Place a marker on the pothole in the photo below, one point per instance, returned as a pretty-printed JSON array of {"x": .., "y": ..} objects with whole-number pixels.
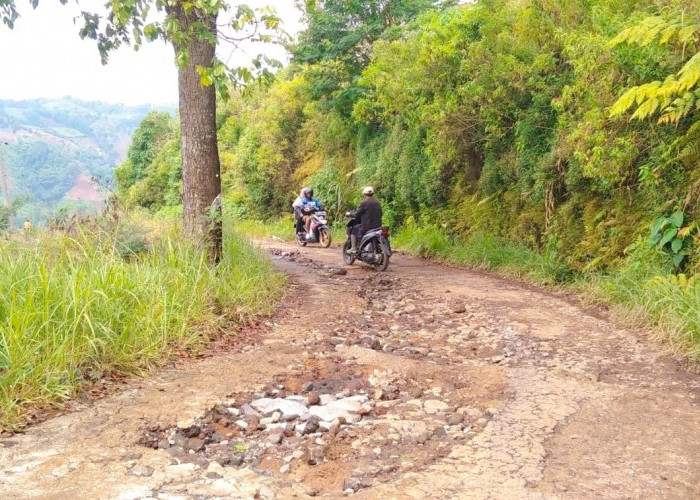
[{"x": 343, "y": 427}]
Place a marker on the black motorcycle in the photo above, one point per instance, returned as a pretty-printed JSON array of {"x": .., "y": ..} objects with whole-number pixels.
[{"x": 374, "y": 248}]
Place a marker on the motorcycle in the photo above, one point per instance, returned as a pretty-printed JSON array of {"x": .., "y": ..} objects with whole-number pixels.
[
  {"x": 318, "y": 230},
  {"x": 373, "y": 249}
]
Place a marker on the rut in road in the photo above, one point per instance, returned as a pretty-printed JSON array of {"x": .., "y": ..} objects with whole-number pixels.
[{"x": 422, "y": 381}]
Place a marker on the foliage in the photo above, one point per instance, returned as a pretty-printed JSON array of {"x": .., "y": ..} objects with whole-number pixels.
[
  {"x": 338, "y": 40},
  {"x": 161, "y": 185},
  {"x": 677, "y": 95},
  {"x": 669, "y": 235},
  {"x": 73, "y": 309},
  {"x": 5, "y": 215},
  {"x": 153, "y": 132},
  {"x": 650, "y": 296},
  {"x": 47, "y": 170},
  {"x": 492, "y": 117},
  {"x": 282, "y": 229},
  {"x": 483, "y": 251}
]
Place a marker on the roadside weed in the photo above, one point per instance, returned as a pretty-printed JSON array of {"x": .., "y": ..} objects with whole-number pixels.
[{"x": 73, "y": 309}]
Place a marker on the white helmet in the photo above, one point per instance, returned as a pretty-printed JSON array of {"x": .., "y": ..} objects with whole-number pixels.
[{"x": 368, "y": 190}]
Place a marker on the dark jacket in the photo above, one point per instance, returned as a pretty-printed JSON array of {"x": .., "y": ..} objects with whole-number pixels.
[{"x": 369, "y": 213}]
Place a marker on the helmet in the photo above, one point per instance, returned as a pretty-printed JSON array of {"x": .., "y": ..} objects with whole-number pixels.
[
  {"x": 368, "y": 190},
  {"x": 307, "y": 191}
]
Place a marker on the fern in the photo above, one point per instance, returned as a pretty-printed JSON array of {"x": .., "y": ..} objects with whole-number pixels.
[
  {"x": 677, "y": 96},
  {"x": 656, "y": 28},
  {"x": 688, "y": 146}
]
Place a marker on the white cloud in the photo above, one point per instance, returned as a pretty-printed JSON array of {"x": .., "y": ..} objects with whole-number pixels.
[{"x": 43, "y": 56}]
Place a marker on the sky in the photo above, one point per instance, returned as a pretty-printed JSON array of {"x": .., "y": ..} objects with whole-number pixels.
[{"x": 43, "y": 56}]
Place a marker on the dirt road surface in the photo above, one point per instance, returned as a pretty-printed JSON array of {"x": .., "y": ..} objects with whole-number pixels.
[{"x": 425, "y": 381}]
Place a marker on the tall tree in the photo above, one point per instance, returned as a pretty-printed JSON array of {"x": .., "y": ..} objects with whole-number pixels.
[
  {"x": 339, "y": 38},
  {"x": 201, "y": 171},
  {"x": 191, "y": 27}
]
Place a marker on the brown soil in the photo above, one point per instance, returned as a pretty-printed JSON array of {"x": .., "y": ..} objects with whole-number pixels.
[
  {"x": 84, "y": 190},
  {"x": 479, "y": 387}
]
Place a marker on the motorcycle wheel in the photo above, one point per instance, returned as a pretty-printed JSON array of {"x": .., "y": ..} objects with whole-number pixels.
[
  {"x": 384, "y": 262},
  {"x": 325, "y": 238},
  {"x": 301, "y": 240},
  {"x": 348, "y": 258}
]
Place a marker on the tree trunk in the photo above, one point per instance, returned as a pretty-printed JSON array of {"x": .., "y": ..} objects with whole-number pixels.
[{"x": 201, "y": 170}]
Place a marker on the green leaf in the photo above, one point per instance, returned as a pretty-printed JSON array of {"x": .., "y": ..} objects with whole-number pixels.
[
  {"x": 676, "y": 245},
  {"x": 669, "y": 234},
  {"x": 151, "y": 32},
  {"x": 657, "y": 227},
  {"x": 677, "y": 259},
  {"x": 676, "y": 219}
]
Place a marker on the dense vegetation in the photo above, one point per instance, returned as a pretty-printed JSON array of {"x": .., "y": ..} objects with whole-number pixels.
[
  {"x": 567, "y": 130},
  {"x": 494, "y": 116},
  {"x": 51, "y": 141},
  {"x": 114, "y": 297}
]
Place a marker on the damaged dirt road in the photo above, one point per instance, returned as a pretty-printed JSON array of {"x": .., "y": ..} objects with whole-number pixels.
[{"x": 422, "y": 382}]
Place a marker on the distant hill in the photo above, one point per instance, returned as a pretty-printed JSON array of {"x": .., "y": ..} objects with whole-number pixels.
[{"x": 50, "y": 147}]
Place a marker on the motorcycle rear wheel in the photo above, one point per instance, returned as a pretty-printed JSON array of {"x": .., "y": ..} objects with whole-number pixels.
[
  {"x": 348, "y": 258},
  {"x": 301, "y": 240},
  {"x": 384, "y": 262},
  {"x": 325, "y": 238}
]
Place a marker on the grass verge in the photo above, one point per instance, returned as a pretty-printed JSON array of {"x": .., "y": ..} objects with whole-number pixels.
[
  {"x": 483, "y": 251},
  {"x": 73, "y": 309}
]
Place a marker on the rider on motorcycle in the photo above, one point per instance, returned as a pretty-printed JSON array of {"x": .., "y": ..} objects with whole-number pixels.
[
  {"x": 369, "y": 214},
  {"x": 303, "y": 207}
]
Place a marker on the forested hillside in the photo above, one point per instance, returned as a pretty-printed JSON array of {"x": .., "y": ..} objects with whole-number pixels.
[
  {"x": 570, "y": 128},
  {"x": 52, "y": 144}
]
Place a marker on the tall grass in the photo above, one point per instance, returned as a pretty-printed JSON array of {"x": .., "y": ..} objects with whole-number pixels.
[
  {"x": 282, "y": 229},
  {"x": 649, "y": 294},
  {"x": 75, "y": 308},
  {"x": 482, "y": 251}
]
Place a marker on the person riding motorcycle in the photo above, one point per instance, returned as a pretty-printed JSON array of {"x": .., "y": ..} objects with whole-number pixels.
[
  {"x": 369, "y": 215},
  {"x": 303, "y": 207}
]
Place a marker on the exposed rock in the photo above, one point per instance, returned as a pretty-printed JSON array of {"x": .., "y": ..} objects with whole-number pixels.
[
  {"x": 350, "y": 408},
  {"x": 195, "y": 444},
  {"x": 314, "y": 398},
  {"x": 311, "y": 425},
  {"x": 265, "y": 493},
  {"x": 315, "y": 454},
  {"x": 275, "y": 438},
  {"x": 326, "y": 398},
  {"x": 433, "y": 406},
  {"x": 248, "y": 410},
  {"x": 267, "y": 406},
  {"x": 455, "y": 419},
  {"x": 142, "y": 471}
]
